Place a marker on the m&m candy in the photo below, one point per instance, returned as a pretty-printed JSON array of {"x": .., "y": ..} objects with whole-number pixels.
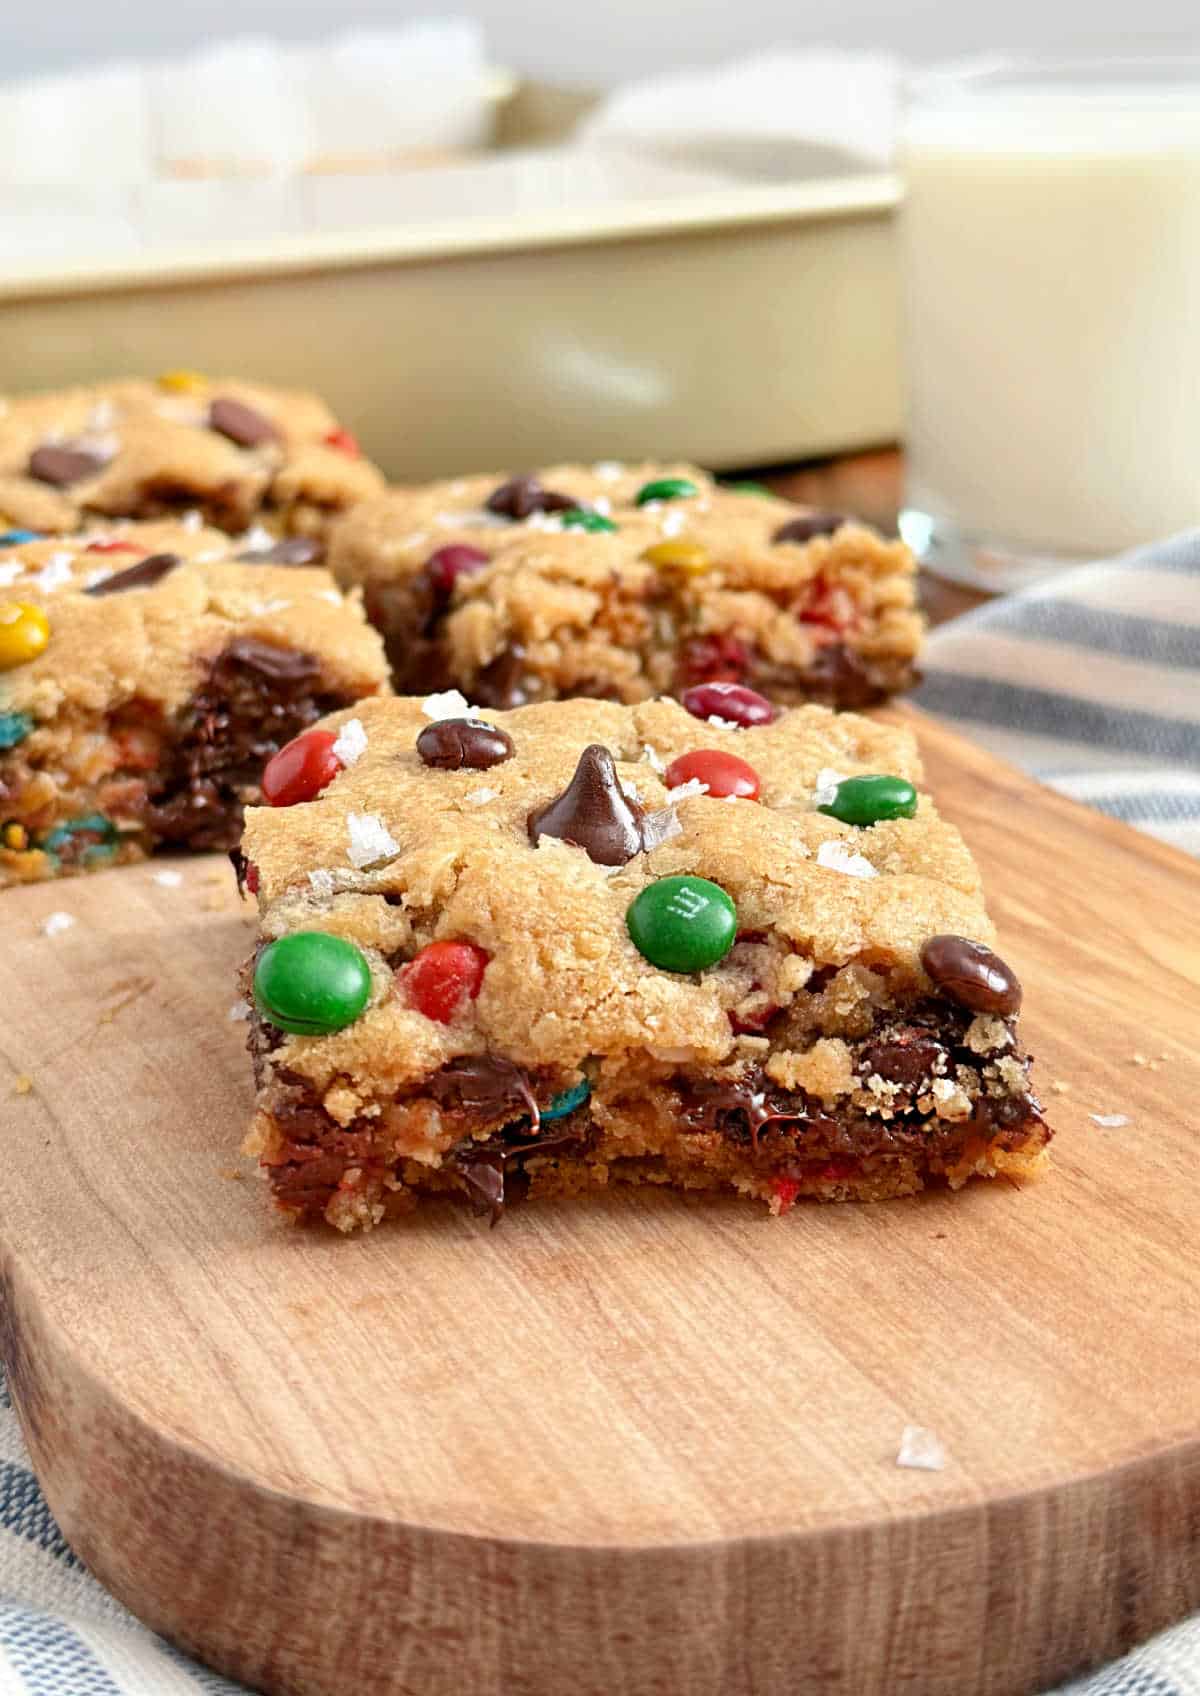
[
  {"x": 682, "y": 924},
  {"x": 867, "y": 800},
  {"x": 301, "y": 769},
  {"x": 310, "y": 983}
]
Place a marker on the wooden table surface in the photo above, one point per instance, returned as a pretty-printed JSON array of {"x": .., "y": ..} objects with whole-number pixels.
[{"x": 870, "y": 485}]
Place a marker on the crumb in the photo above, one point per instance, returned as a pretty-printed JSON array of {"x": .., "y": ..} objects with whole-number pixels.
[
  {"x": 1110, "y": 1121},
  {"x": 1141, "y": 1059},
  {"x": 921, "y": 1449},
  {"x": 23, "y": 1084},
  {"x": 232, "y": 1173},
  {"x": 1059, "y": 1087}
]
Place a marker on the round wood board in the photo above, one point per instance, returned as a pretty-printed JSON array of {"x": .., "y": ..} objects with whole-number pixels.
[{"x": 640, "y": 1445}]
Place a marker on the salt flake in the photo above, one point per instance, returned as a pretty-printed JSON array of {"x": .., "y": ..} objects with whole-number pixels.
[
  {"x": 607, "y": 470},
  {"x": 321, "y": 884},
  {"x": 54, "y": 923},
  {"x": 654, "y": 759},
  {"x": 351, "y": 743},
  {"x": 238, "y": 1012},
  {"x": 480, "y": 797},
  {"x": 258, "y": 540},
  {"x": 825, "y": 792},
  {"x": 921, "y": 1449},
  {"x": 330, "y": 595},
  {"x": 55, "y": 572},
  {"x": 10, "y": 572},
  {"x": 672, "y": 521},
  {"x": 838, "y": 858},
  {"x": 449, "y": 704},
  {"x": 168, "y": 879},
  {"x": 720, "y": 723},
  {"x": 1109, "y": 1121},
  {"x": 681, "y": 791},
  {"x": 193, "y": 519},
  {"x": 370, "y": 840}
]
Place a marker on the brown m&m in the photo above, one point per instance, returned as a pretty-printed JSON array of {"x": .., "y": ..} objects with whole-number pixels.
[
  {"x": 971, "y": 974},
  {"x": 452, "y": 743}
]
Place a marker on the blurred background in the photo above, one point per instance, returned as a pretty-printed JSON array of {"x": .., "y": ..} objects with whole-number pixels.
[{"x": 601, "y": 43}]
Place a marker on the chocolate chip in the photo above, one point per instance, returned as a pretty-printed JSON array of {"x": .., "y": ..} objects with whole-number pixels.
[
  {"x": 503, "y": 684},
  {"x": 452, "y": 743},
  {"x": 808, "y": 525},
  {"x": 293, "y": 550},
  {"x": 520, "y": 497},
  {"x": 62, "y": 465},
  {"x": 283, "y": 663},
  {"x": 482, "y": 1174},
  {"x": 241, "y": 423},
  {"x": 593, "y": 812},
  {"x": 839, "y": 677},
  {"x": 905, "y": 1055},
  {"x": 144, "y": 575},
  {"x": 485, "y": 1085},
  {"x": 972, "y": 975}
]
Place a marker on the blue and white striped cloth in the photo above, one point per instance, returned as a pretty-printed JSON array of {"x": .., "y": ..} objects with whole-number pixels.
[{"x": 1092, "y": 682}]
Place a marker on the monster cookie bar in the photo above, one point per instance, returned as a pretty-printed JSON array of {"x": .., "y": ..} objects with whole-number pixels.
[
  {"x": 581, "y": 943},
  {"x": 232, "y": 451},
  {"x": 147, "y": 671},
  {"x": 627, "y": 582}
]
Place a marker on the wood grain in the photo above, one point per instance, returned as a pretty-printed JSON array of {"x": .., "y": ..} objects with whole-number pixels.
[{"x": 637, "y": 1446}]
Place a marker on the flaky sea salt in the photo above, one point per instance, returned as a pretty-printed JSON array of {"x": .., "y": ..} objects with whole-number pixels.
[
  {"x": 238, "y": 1012},
  {"x": 449, "y": 704},
  {"x": 193, "y": 519},
  {"x": 681, "y": 791},
  {"x": 321, "y": 883},
  {"x": 1109, "y": 1121},
  {"x": 330, "y": 595},
  {"x": 263, "y": 609},
  {"x": 99, "y": 576},
  {"x": 55, "y": 572},
  {"x": 672, "y": 522},
  {"x": 351, "y": 743},
  {"x": 370, "y": 840},
  {"x": 720, "y": 723},
  {"x": 10, "y": 571},
  {"x": 921, "y": 1449},
  {"x": 480, "y": 797},
  {"x": 825, "y": 792},
  {"x": 168, "y": 879},
  {"x": 257, "y": 540},
  {"x": 549, "y": 521},
  {"x": 54, "y": 923},
  {"x": 608, "y": 470},
  {"x": 602, "y": 505},
  {"x": 654, "y": 759},
  {"x": 838, "y": 858},
  {"x": 660, "y": 826}
]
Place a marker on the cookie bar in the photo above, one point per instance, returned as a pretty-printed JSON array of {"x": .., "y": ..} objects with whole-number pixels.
[
  {"x": 233, "y": 451},
  {"x": 147, "y": 671},
  {"x": 626, "y": 582},
  {"x": 581, "y": 943}
]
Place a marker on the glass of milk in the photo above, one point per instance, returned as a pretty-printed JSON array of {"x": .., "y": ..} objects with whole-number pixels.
[{"x": 1051, "y": 262}]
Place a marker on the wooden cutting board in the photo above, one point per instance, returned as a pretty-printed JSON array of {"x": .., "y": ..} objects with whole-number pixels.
[{"x": 637, "y": 1446}]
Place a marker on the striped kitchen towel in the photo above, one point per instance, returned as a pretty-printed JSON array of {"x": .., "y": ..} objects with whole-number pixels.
[{"x": 1090, "y": 681}]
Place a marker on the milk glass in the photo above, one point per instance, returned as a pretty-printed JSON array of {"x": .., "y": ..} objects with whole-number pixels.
[{"x": 1051, "y": 263}]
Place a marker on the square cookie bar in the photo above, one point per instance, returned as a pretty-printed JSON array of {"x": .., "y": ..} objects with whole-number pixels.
[
  {"x": 233, "y": 451},
  {"x": 147, "y": 672},
  {"x": 581, "y": 943},
  {"x": 627, "y": 582}
]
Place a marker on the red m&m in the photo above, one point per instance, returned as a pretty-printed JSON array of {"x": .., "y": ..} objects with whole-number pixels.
[
  {"x": 113, "y": 548},
  {"x": 301, "y": 769},
  {"x": 733, "y": 701},
  {"x": 723, "y": 773},
  {"x": 344, "y": 441},
  {"x": 448, "y": 564},
  {"x": 441, "y": 977}
]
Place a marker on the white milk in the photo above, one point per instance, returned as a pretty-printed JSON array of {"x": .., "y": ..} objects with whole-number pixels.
[{"x": 1052, "y": 270}]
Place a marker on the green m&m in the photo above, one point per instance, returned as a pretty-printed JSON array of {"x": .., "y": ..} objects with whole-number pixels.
[
  {"x": 748, "y": 487},
  {"x": 583, "y": 518},
  {"x": 310, "y": 983},
  {"x": 666, "y": 489},
  {"x": 682, "y": 924},
  {"x": 867, "y": 800}
]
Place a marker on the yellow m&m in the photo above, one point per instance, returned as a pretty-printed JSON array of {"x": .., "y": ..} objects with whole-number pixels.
[
  {"x": 683, "y": 556},
  {"x": 181, "y": 382},
  {"x": 24, "y": 632}
]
